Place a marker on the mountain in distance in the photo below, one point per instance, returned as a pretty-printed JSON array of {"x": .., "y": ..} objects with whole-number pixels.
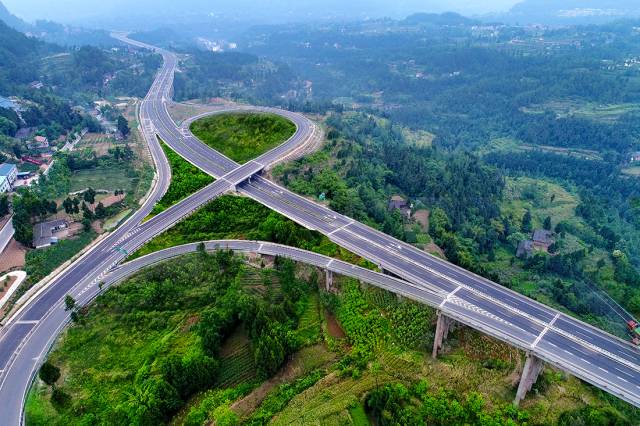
[
  {"x": 12, "y": 20},
  {"x": 150, "y": 14},
  {"x": 562, "y": 12},
  {"x": 53, "y": 32},
  {"x": 447, "y": 18}
]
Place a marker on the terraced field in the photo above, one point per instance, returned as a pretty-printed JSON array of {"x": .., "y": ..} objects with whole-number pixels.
[{"x": 236, "y": 361}]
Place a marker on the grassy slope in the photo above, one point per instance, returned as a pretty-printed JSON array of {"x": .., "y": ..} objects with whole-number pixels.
[
  {"x": 535, "y": 195},
  {"x": 471, "y": 363},
  {"x": 186, "y": 179},
  {"x": 243, "y": 137},
  {"x": 232, "y": 217},
  {"x": 101, "y": 358}
]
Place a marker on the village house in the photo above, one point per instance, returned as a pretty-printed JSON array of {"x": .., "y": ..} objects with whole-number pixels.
[
  {"x": 541, "y": 240},
  {"x": 38, "y": 143},
  {"x": 396, "y": 202},
  {"x": 44, "y": 232}
]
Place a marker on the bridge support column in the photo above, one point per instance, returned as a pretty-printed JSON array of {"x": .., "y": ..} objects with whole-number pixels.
[
  {"x": 443, "y": 326},
  {"x": 328, "y": 280},
  {"x": 532, "y": 368}
]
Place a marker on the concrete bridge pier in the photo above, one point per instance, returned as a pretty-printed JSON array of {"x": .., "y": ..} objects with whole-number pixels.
[
  {"x": 532, "y": 368},
  {"x": 443, "y": 326},
  {"x": 328, "y": 280}
]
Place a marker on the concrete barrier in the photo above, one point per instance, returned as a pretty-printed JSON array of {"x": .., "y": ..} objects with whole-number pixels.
[{"x": 6, "y": 233}]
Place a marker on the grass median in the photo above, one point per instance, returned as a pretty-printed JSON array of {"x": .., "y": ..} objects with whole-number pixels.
[{"x": 243, "y": 136}]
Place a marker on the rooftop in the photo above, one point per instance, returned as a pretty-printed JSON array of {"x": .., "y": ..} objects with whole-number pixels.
[
  {"x": 42, "y": 232},
  {"x": 543, "y": 236},
  {"x": 6, "y": 169}
]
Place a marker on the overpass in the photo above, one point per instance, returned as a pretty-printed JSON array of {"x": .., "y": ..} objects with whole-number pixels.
[{"x": 545, "y": 334}]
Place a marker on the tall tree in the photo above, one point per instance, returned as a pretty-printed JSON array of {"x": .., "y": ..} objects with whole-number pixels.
[
  {"x": 123, "y": 126},
  {"x": 526, "y": 222}
]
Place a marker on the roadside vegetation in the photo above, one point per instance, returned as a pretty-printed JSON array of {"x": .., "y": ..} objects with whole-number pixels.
[
  {"x": 243, "y": 136},
  {"x": 210, "y": 338},
  {"x": 186, "y": 179},
  {"x": 233, "y": 217},
  {"x": 477, "y": 214},
  {"x": 40, "y": 263}
]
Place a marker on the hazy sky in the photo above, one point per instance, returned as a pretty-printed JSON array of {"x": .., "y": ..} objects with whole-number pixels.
[{"x": 73, "y": 10}]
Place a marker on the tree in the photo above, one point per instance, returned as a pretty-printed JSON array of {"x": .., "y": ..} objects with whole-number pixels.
[
  {"x": 547, "y": 223},
  {"x": 7, "y": 127},
  {"x": 123, "y": 126},
  {"x": 49, "y": 373},
  {"x": 526, "y": 222},
  {"x": 76, "y": 205},
  {"x": 68, "y": 205},
  {"x": 89, "y": 196},
  {"x": 69, "y": 303},
  {"x": 4, "y": 205},
  {"x": 101, "y": 211}
]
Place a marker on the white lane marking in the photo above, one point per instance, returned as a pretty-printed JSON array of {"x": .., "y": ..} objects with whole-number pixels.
[
  {"x": 341, "y": 228},
  {"x": 471, "y": 307},
  {"x": 27, "y": 322},
  {"x": 544, "y": 331},
  {"x": 330, "y": 262},
  {"x": 449, "y": 296}
]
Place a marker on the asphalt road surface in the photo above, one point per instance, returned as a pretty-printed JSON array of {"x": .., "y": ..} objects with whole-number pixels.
[{"x": 593, "y": 355}]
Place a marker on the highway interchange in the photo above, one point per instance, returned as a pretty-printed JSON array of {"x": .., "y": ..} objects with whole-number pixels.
[{"x": 580, "y": 349}]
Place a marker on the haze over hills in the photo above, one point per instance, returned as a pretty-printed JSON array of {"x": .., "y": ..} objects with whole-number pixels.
[
  {"x": 12, "y": 20},
  {"x": 112, "y": 11},
  {"x": 572, "y": 11}
]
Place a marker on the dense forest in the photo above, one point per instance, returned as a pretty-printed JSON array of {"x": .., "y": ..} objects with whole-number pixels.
[{"x": 367, "y": 159}]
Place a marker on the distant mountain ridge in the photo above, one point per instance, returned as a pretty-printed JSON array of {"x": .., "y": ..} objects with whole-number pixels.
[
  {"x": 446, "y": 18},
  {"x": 572, "y": 11},
  {"x": 12, "y": 20}
]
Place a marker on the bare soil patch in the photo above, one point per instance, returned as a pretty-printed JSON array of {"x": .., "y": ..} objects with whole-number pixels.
[
  {"x": 5, "y": 286},
  {"x": 13, "y": 256},
  {"x": 422, "y": 217},
  {"x": 432, "y": 248},
  {"x": 333, "y": 327}
]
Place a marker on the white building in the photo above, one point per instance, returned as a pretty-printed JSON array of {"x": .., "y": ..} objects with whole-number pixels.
[
  {"x": 4, "y": 184},
  {"x": 9, "y": 172}
]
